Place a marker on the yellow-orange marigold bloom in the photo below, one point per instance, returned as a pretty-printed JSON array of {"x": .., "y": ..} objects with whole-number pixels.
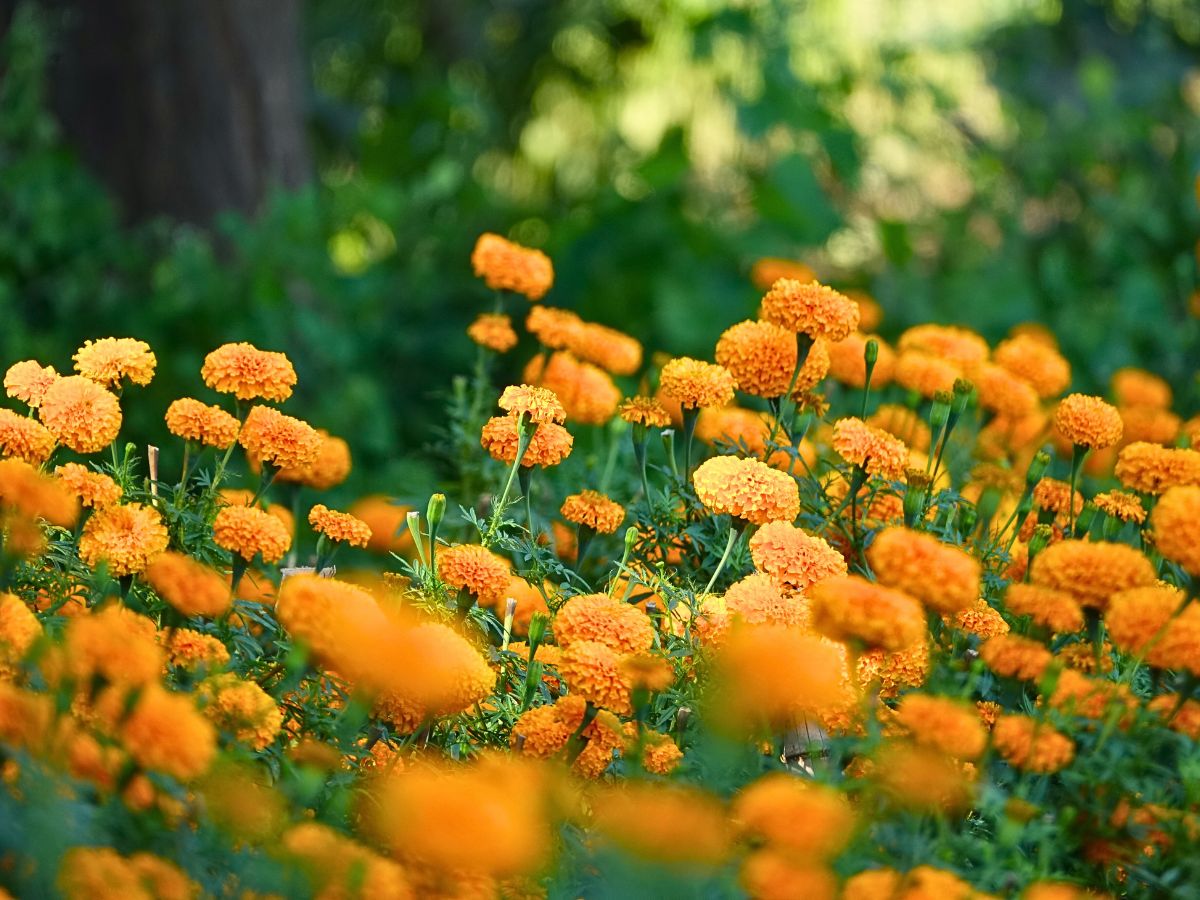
[
  {"x": 493, "y": 331},
  {"x": 848, "y": 364},
  {"x": 923, "y": 778},
  {"x": 331, "y": 618},
  {"x": 1185, "y": 713},
  {"x": 945, "y": 578},
  {"x": 549, "y": 446},
  {"x": 475, "y": 569},
  {"x": 795, "y": 815},
  {"x": 1088, "y": 421},
  {"x": 660, "y": 754},
  {"x": 165, "y": 733},
  {"x": 100, "y": 873},
  {"x": 540, "y": 404},
  {"x": 1146, "y": 423},
  {"x": 505, "y": 265},
  {"x": 942, "y": 724},
  {"x": 328, "y": 469},
  {"x": 554, "y": 328},
  {"x": 269, "y": 436},
  {"x": 1176, "y": 524},
  {"x": 1055, "y": 496},
  {"x": 903, "y": 423},
  {"x": 188, "y": 585},
  {"x": 125, "y": 537},
  {"x": 1091, "y": 572},
  {"x": 188, "y": 649},
  {"x": 24, "y": 438},
  {"x": 543, "y": 731},
  {"x": 922, "y": 883},
  {"x": 925, "y": 374},
  {"x": 892, "y": 673},
  {"x": 761, "y": 356},
  {"x": 957, "y": 345},
  {"x": 34, "y": 495},
  {"x": 768, "y": 270},
  {"x": 1079, "y": 695},
  {"x": 338, "y": 867},
  {"x": 743, "y": 429},
  {"x": 28, "y": 381},
  {"x": 387, "y": 521},
  {"x": 1031, "y": 745},
  {"x": 114, "y": 643},
  {"x": 1120, "y": 505},
  {"x": 981, "y": 620},
  {"x": 746, "y": 489},
  {"x": 528, "y": 599},
  {"x": 587, "y": 392},
  {"x": 872, "y": 448},
  {"x": 1152, "y": 469},
  {"x": 208, "y": 425},
  {"x": 696, "y": 384},
  {"x": 19, "y": 628},
  {"x": 1002, "y": 392},
  {"x": 850, "y": 608},
  {"x": 1137, "y": 387},
  {"x": 593, "y": 510},
  {"x": 109, "y": 361},
  {"x": 644, "y": 411},
  {"x": 249, "y": 373},
  {"x": 1015, "y": 657},
  {"x": 611, "y": 350},
  {"x": 80, "y": 414},
  {"x": 248, "y": 532},
  {"x": 794, "y": 558},
  {"x": 241, "y": 708},
  {"x": 593, "y": 670},
  {"x": 810, "y": 308},
  {"x": 244, "y": 497},
  {"x": 1057, "y": 610},
  {"x": 598, "y": 617},
  {"x": 757, "y": 600},
  {"x": 649, "y": 821},
  {"x": 94, "y": 489},
  {"x": 339, "y": 526},
  {"x": 1036, "y": 362}
]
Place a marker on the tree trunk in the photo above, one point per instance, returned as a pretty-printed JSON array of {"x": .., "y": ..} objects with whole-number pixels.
[{"x": 186, "y": 108}]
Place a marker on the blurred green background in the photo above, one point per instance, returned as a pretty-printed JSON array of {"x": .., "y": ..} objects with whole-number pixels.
[{"x": 981, "y": 163}]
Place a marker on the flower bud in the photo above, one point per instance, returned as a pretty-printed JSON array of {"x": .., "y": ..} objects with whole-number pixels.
[
  {"x": 939, "y": 413},
  {"x": 1037, "y": 468},
  {"x": 435, "y": 511}
]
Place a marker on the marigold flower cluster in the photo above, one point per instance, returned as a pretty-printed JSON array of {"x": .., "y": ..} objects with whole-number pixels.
[
  {"x": 746, "y": 489},
  {"x": 507, "y": 266}
]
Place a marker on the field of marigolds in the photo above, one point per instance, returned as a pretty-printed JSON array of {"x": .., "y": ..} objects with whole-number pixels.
[{"x": 818, "y": 617}]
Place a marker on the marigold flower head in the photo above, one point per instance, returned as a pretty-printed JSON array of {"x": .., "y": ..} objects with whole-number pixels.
[
  {"x": 903, "y": 423},
  {"x": 554, "y": 328},
  {"x": 1185, "y": 713},
  {"x": 611, "y": 350},
  {"x": 269, "y": 436},
  {"x": 1152, "y": 469},
  {"x": 1088, "y": 421},
  {"x": 339, "y": 526},
  {"x": 587, "y": 392},
  {"x": 19, "y": 628},
  {"x": 921, "y": 883},
  {"x": 597, "y": 617},
  {"x": 740, "y": 428},
  {"x": 1120, "y": 505},
  {"x": 114, "y": 643},
  {"x": 768, "y": 270},
  {"x": 538, "y": 403},
  {"x": 1036, "y": 362},
  {"x": 528, "y": 599},
  {"x": 165, "y": 733},
  {"x": 696, "y": 384},
  {"x": 331, "y": 618},
  {"x": 507, "y": 266},
  {"x": 1015, "y": 657},
  {"x": 850, "y": 608},
  {"x": 543, "y": 731},
  {"x": 891, "y": 673},
  {"x": 794, "y": 559},
  {"x": 24, "y": 438},
  {"x": 943, "y": 577},
  {"x": 28, "y": 381},
  {"x": 981, "y": 620},
  {"x": 872, "y": 448},
  {"x": 923, "y": 778},
  {"x": 924, "y": 373},
  {"x": 848, "y": 364},
  {"x": 188, "y": 585},
  {"x": 1137, "y": 387},
  {"x": 189, "y": 649},
  {"x": 1147, "y": 423},
  {"x": 339, "y": 867},
  {"x": 80, "y": 414},
  {"x": 476, "y": 570},
  {"x": 746, "y": 489},
  {"x": 1078, "y": 695},
  {"x": 648, "y": 820},
  {"x": 660, "y": 754},
  {"x": 1031, "y": 745},
  {"x": 1176, "y": 524},
  {"x": 249, "y": 373},
  {"x": 593, "y": 670},
  {"x": 797, "y": 816},
  {"x": 960, "y": 346},
  {"x": 809, "y": 308},
  {"x": 493, "y": 331},
  {"x": 328, "y": 469},
  {"x": 109, "y": 361},
  {"x": 125, "y": 537},
  {"x": 387, "y": 521},
  {"x": 241, "y": 708},
  {"x": 549, "y": 446},
  {"x": 645, "y": 411},
  {"x": 761, "y": 357},
  {"x": 1091, "y": 572},
  {"x": 942, "y": 724},
  {"x": 1055, "y": 497},
  {"x": 100, "y": 873},
  {"x": 758, "y": 600},
  {"x": 200, "y": 423},
  {"x": 94, "y": 489},
  {"x": 1002, "y": 392},
  {"x": 248, "y": 532},
  {"x": 1056, "y": 610},
  {"x": 29, "y": 493},
  {"x": 593, "y": 510},
  {"x": 444, "y": 673}
]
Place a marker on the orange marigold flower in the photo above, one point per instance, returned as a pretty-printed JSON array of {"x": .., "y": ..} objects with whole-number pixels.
[
  {"x": 696, "y": 384},
  {"x": 981, "y": 620},
  {"x": 387, "y": 521},
  {"x": 208, "y": 425},
  {"x": 329, "y": 469},
  {"x": 1079, "y": 695},
  {"x": 190, "y": 586},
  {"x": 28, "y": 381},
  {"x": 1055, "y": 496},
  {"x": 943, "y": 724},
  {"x": 113, "y": 643},
  {"x": 339, "y": 867},
  {"x": 189, "y": 649},
  {"x": 1057, "y": 610},
  {"x": 1091, "y": 572},
  {"x": 850, "y": 608},
  {"x": 248, "y": 532},
  {"x": 757, "y": 600},
  {"x": 1176, "y": 524},
  {"x": 903, "y": 423},
  {"x": 1088, "y": 421},
  {"x": 761, "y": 357},
  {"x": 943, "y": 577},
  {"x": 611, "y": 350},
  {"x": 19, "y": 628},
  {"x": 952, "y": 343},
  {"x": 476, "y": 570},
  {"x": 808, "y": 820},
  {"x": 244, "y": 497},
  {"x": 528, "y": 599},
  {"x": 249, "y": 373},
  {"x": 848, "y": 364},
  {"x": 593, "y": 670},
  {"x": 81, "y": 414},
  {"x": 493, "y": 331},
  {"x": 24, "y": 438},
  {"x": 507, "y": 266},
  {"x": 339, "y": 526},
  {"x": 100, "y": 873},
  {"x": 1146, "y": 423},
  {"x": 592, "y": 509},
  {"x": 1137, "y": 387},
  {"x": 544, "y": 731},
  {"x": 741, "y": 428},
  {"x": 872, "y": 448},
  {"x": 795, "y": 559},
  {"x": 241, "y": 708},
  {"x": 768, "y": 270},
  {"x": 268, "y": 436},
  {"x": 34, "y": 495},
  {"x": 1185, "y": 713},
  {"x": 549, "y": 446},
  {"x": 922, "y": 883},
  {"x": 125, "y": 537},
  {"x": 93, "y": 489},
  {"x": 1002, "y": 392},
  {"x": 746, "y": 489},
  {"x": 890, "y": 673},
  {"x": 647, "y": 820},
  {"x": 1152, "y": 469},
  {"x": 597, "y": 617},
  {"x": 809, "y": 308},
  {"x": 925, "y": 374},
  {"x": 587, "y": 392},
  {"x": 1031, "y": 745},
  {"x": 108, "y": 361},
  {"x": 164, "y": 732},
  {"x": 922, "y": 778},
  {"x": 1120, "y": 505},
  {"x": 331, "y": 619},
  {"x": 1015, "y": 657},
  {"x": 1036, "y": 362},
  {"x": 538, "y": 403},
  {"x": 645, "y": 411},
  {"x": 660, "y": 754},
  {"x": 554, "y": 328}
]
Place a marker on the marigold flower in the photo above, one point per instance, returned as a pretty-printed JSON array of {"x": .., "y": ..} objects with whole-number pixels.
[
  {"x": 872, "y": 448},
  {"x": 189, "y": 586},
  {"x": 189, "y": 649},
  {"x": 505, "y": 265},
  {"x": 80, "y": 414},
  {"x": 740, "y": 428},
  {"x": 200, "y": 423},
  {"x": 812, "y": 309},
  {"x": 850, "y": 608},
  {"x": 24, "y": 438},
  {"x": 1079, "y": 695},
  {"x": 339, "y": 867},
  {"x": 248, "y": 532},
  {"x": 1031, "y": 745},
  {"x": 113, "y": 643},
  {"x": 19, "y": 628},
  {"x": 100, "y": 873},
  {"x": 1088, "y": 421},
  {"x": 593, "y": 670},
  {"x": 528, "y": 599},
  {"x": 339, "y": 526},
  {"x": 648, "y": 820},
  {"x": 1056, "y": 610},
  {"x": 768, "y": 270},
  {"x": 696, "y": 384},
  {"x": 761, "y": 357},
  {"x": 660, "y": 754},
  {"x": 476, "y": 570},
  {"x": 249, "y": 373},
  {"x": 795, "y": 559},
  {"x": 1137, "y": 616},
  {"x": 925, "y": 374},
  {"x": 331, "y": 618},
  {"x": 1152, "y": 469},
  {"x": 597, "y": 617},
  {"x": 35, "y": 496},
  {"x": 981, "y": 620},
  {"x": 960, "y": 346},
  {"x": 125, "y": 537},
  {"x": 94, "y": 489},
  {"x": 1015, "y": 657},
  {"x": 387, "y": 521},
  {"x": 268, "y": 436},
  {"x": 1186, "y": 713},
  {"x": 611, "y": 350},
  {"x": 28, "y": 382},
  {"x": 903, "y": 423},
  {"x": 538, "y": 403},
  {"x": 645, "y": 411},
  {"x": 493, "y": 331},
  {"x": 746, "y": 489},
  {"x": 922, "y": 883},
  {"x": 108, "y": 361},
  {"x": 1145, "y": 423},
  {"x": 165, "y": 733},
  {"x": 554, "y": 328},
  {"x": 1036, "y": 362},
  {"x": 807, "y": 820},
  {"x": 848, "y": 364},
  {"x": 587, "y": 392},
  {"x": 1091, "y": 572},
  {"x": 1120, "y": 505},
  {"x": 757, "y": 600},
  {"x": 593, "y": 510},
  {"x": 328, "y": 469},
  {"x": 1002, "y": 392},
  {"x": 943, "y": 577},
  {"x": 942, "y": 724},
  {"x": 241, "y": 708},
  {"x": 1176, "y": 524},
  {"x": 543, "y": 731},
  {"x": 444, "y": 675},
  {"x": 890, "y": 673},
  {"x": 923, "y": 778},
  {"x": 549, "y": 446},
  {"x": 1137, "y": 387},
  {"x": 605, "y": 741}
]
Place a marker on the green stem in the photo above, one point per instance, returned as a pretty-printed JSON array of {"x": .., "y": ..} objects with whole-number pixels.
[
  {"x": 734, "y": 533},
  {"x": 1078, "y": 454},
  {"x": 690, "y": 416}
]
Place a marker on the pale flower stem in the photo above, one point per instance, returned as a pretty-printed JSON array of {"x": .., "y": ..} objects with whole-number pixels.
[{"x": 734, "y": 534}]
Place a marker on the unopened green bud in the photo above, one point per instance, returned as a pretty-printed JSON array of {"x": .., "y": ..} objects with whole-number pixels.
[
  {"x": 537, "y": 631},
  {"x": 1040, "y": 540},
  {"x": 871, "y": 353},
  {"x": 939, "y": 413},
  {"x": 1037, "y": 468},
  {"x": 915, "y": 491},
  {"x": 435, "y": 511}
]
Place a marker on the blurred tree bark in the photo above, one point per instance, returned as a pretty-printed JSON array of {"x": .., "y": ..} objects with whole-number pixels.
[{"x": 182, "y": 107}]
